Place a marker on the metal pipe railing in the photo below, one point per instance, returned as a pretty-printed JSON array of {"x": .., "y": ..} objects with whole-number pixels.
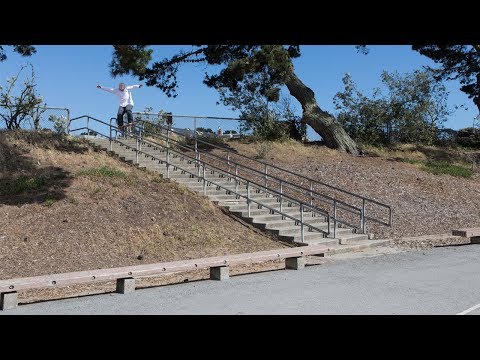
[{"x": 268, "y": 178}]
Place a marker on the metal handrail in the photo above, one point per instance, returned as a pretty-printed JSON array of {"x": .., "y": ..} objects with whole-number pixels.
[
  {"x": 270, "y": 177},
  {"x": 220, "y": 171},
  {"x": 279, "y": 195},
  {"x": 313, "y": 194},
  {"x": 209, "y": 182},
  {"x": 364, "y": 199}
]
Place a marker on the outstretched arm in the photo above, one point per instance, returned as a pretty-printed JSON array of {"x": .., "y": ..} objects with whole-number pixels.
[
  {"x": 110, "y": 90},
  {"x": 134, "y": 87}
]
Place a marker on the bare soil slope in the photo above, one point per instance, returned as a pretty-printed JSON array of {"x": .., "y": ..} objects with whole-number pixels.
[
  {"x": 65, "y": 207},
  {"x": 423, "y": 203}
]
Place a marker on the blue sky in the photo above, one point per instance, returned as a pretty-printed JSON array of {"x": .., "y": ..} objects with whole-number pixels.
[{"x": 67, "y": 76}]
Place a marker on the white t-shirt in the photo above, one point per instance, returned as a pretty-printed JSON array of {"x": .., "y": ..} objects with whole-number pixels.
[{"x": 125, "y": 96}]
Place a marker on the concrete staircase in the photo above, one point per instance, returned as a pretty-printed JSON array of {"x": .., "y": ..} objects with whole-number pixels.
[{"x": 285, "y": 229}]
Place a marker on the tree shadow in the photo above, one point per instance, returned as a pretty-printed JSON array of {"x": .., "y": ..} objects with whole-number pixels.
[
  {"x": 441, "y": 154},
  {"x": 22, "y": 178}
]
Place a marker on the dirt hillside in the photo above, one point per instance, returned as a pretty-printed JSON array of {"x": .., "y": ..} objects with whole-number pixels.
[{"x": 65, "y": 207}]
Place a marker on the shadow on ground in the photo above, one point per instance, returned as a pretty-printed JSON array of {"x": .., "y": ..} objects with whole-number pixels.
[{"x": 23, "y": 179}]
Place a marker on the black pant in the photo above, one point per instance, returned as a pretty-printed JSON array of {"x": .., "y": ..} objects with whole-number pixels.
[{"x": 122, "y": 110}]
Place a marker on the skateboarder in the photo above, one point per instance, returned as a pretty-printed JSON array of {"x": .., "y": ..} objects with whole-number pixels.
[{"x": 126, "y": 102}]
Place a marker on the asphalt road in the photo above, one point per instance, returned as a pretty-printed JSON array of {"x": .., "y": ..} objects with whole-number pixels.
[{"x": 438, "y": 281}]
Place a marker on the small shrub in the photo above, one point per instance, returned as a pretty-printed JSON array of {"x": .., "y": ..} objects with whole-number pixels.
[
  {"x": 442, "y": 167},
  {"x": 263, "y": 149},
  {"x": 21, "y": 184},
  {"x": 50, "y": 200}
]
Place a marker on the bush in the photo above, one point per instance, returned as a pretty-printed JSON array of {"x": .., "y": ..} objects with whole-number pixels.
[
  {"x": 442, "y": 167},
  {"x": 468, "y": 137},
  {"x": 263, "y": 149}
]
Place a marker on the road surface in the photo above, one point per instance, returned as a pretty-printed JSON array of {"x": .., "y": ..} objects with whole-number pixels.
[{"x": 437, "y": 281}]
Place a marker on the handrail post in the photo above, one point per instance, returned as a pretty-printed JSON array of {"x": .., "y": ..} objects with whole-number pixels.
[
  {"x": 362, "y": 217},
  {"x": 266, "y": 177},
  {"x": 198, "y": 160},
  {"x": 140, "y": 140},
  {"x": 328, "y": 223},
  {"x": 311, "y": 193},
  {"x": 168, "y": 163},
  {"x": 334, "y": 218},
  {"x": 136, "y": 149},
  {"x": 111, "y": 145},
  {"x": 204, "y": 181},
  {"x": 302, "y": 230},
  {"x": 281, "y": 196},
  {"x": 236, "y": 179},
  {"x": 248, "y": 197},
  {"x": 228, "y": 161},
  {"x": 195, "y": 135},
  {"x": 88, "y": 126}
]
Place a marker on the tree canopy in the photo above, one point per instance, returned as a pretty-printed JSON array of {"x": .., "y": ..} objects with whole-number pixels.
[
  {"x": 24, "y": 50},
  {"x": 261, "y": 69},
  {"x": 412, "y": 109},
  {"x": 457, "y": 62}
]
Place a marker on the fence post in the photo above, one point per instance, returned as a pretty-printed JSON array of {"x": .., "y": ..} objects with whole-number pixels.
[{"x": 68, "y": 121}]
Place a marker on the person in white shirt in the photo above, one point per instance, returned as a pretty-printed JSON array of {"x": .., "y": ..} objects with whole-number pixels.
[{"x": 126, "y": 101}]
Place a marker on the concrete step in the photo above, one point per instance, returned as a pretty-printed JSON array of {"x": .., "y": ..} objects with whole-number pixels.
[
  {"x": 314, "y": 220},
  {"x": 297, "y": 230},
  {"x": 243, "y": 202},
  {"x": 351, "y": 238},
  {"x": 308, "y": 236},
  {"x": 264, "y": 211},
  {"x": 319, "y": 240},
  {"x": 284, "y": 229}
]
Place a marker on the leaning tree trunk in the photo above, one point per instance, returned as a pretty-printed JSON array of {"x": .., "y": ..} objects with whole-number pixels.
[{"x": 322, "y": 122}]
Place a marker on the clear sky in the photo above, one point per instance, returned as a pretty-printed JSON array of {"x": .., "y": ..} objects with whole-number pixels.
[{"x": 67, "y": 76}]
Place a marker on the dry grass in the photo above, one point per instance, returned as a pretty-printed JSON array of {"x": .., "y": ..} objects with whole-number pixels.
[{"x": 102, "y": 213}]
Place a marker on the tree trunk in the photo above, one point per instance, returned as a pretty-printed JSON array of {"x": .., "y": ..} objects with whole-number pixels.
[{"x": 321, "y": 121}]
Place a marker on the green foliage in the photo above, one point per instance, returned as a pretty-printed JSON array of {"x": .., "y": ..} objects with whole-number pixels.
[
  {"x": 240, "y": 63},
  {"x": 130, "y": 59},
  {"x": 21, "y": 184},
  {"x": 50, "y": 199},
  {"x": 152, "y": 121},
  {"x": 20, "y": 104},
  {"x": 456, "y": 62},
  {"x": 468, "y": 137},
  {"x": 443, "y": 167},
  {"x": 412, "y": 111},
  {"x": 24, "y": 50},
  {"x": 103, "y": 171},
  {"x": 263, "y": 149},
  {"x": 205, "y": 130},
  {"x": 60, "y": 123}
]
